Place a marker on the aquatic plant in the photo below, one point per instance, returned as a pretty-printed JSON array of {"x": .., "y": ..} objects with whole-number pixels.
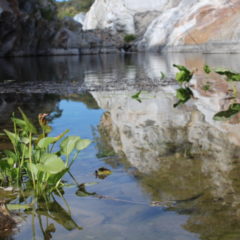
[
  {"x": 183, "y": 95},
  {"x": 136, "y": 96},
  {"x": 33, "y": 159},
  {"x": 184, "y": 75}
]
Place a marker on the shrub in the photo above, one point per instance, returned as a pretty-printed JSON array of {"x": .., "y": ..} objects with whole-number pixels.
[{"x": 129, "y": 38}]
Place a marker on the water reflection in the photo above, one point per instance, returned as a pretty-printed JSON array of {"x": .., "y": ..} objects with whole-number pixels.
[
  {"x": 181, "y": 159},
  {"x": 187, "y": 162},
  {"x": 63, "y": 75}
]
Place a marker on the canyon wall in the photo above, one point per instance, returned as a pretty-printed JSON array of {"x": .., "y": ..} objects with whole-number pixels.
[{"x": 167, "y": 25}]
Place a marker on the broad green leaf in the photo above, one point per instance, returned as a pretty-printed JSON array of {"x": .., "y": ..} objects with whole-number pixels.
[
  {"x": 82, "y": 144},
  {"x": 19, "y": 122},
  {"x": 45, "y": 142},
  {"x": 25, "y": 140},
  {"x": 68, "y": 144},
  {"x": 54, "y": 165},
  {"x": 54, "y": 178},
  {"x": 46, "y": 156}
]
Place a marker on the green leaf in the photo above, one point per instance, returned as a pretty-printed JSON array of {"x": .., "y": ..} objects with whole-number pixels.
[
  {"x": 136, "y": 95},
  {"x": 13, "y": 207},
  {"x": 14, "y": 138},
  {"x": 231, "y": 76},
  {"x": 45, "y": 142},
  {"x": 207, "y": 69},
  {"x": 184, "y": 75},
  {"x": 68, "y": 144},
  {"x": 230, "y": 112},
  {"x": 10, "y": 154},
  {"x": 183, "y": 94},
  {"x": 54, "y": 164},
  {"x": 235, "y": 106},
  {"x": 33, "y": 169},
  {"x": 19, "y": 122},
  {"x": 82, "y": 144},
  {"x": 30, "y": 126},
  {"x": 181, "y": 68}
]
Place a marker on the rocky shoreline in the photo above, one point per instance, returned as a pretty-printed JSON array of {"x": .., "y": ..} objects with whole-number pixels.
[{"x": 31, "y": 28}]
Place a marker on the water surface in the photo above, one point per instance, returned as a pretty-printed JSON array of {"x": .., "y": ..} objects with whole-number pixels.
[{"x": 175, "y": 171}]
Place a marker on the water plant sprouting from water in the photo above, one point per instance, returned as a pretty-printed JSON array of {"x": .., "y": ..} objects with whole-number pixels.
[{"x": 34, "y": 162}]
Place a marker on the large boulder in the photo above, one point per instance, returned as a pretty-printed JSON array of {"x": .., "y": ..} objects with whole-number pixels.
[{"x": 173, "y": 25}]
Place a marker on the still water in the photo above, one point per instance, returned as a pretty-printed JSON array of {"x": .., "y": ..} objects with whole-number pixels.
[{"x": 175, "y": 171}]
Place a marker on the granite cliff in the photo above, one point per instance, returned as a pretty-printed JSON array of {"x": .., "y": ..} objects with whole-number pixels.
[{"x": 171, "y": 25}]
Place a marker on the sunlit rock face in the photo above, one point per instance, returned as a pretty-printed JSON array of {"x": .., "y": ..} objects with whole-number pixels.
[{"x": 179, "y": 25}]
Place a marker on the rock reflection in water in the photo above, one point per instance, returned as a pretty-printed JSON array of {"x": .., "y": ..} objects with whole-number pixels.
[
  {"x": 179, "y": 153},
  {"x": 67, "y": 75}
]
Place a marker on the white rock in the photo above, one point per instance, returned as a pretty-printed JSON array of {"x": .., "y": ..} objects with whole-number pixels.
[
  {"x": 80, "y": 17},
  {"x": 179, "y": 25}
]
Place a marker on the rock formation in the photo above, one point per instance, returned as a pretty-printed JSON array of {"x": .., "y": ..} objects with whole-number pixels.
[
  {"x": 172, "y": 25},
  {"x": 32, "y": 28}
]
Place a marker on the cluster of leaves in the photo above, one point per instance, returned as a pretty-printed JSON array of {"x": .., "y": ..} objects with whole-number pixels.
[
  {"x": 184, "y": 76},
  {"x": 184, "y": 94},
  {"x": 33, "y": 161},
  {"x": 73, "y": 7},
  {"x": 230, "y": 76}
]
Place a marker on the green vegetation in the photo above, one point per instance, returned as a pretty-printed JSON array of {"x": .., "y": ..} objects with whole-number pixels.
[
  {"x": 129, "y": 38},
  {"x": 137, "y": 96},
  {"x": 73, "y": 7},
  {"x": 184, "y": 94},
  {"x": 33, "y": 162}
]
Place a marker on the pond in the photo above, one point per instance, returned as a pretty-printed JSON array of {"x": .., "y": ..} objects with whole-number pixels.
[{"x": 175, "y": 172}]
